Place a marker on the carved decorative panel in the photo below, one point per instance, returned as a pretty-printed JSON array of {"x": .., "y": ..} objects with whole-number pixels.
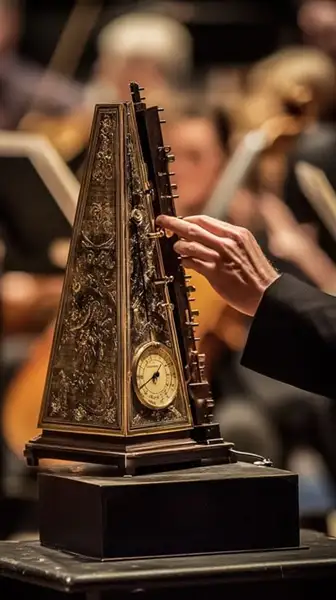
[{"x": 81, "y": 384}]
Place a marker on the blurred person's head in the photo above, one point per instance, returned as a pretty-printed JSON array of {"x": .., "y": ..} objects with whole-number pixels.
[
  {"x": 152, "y": 49},
  {"x": 317, "y": 21},
  {"x": 296, "y": 74},
  {"x": 200, "y": 142}
]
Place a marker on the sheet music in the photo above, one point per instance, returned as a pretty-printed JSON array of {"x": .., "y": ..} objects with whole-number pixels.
[{"x": 53, "y": 171}]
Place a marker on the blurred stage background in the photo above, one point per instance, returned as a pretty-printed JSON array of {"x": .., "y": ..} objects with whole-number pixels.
[{"x": 222, "y": 69}]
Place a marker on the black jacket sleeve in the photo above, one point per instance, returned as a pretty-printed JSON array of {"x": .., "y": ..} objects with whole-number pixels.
[{"x": 293, "y": 337}]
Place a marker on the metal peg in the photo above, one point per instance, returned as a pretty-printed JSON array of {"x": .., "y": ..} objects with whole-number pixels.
[
  {"x": 156, "y": 235},
  {"x": 164, "y": 281},
  {"x": 191, "y": 289}
]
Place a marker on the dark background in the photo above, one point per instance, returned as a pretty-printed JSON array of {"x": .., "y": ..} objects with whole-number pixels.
[{"x": 224, "y": 31}]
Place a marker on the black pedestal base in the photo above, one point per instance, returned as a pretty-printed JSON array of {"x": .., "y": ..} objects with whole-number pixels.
[{"x": 224, "y": 508}]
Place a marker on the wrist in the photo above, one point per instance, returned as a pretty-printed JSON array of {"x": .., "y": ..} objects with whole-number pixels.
[{"x": 264, "y": 287}]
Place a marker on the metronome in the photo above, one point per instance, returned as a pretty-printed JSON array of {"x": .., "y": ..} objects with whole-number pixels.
[
  {"x": 126, "y": 387},
  {"x": 125, "y": 384}
]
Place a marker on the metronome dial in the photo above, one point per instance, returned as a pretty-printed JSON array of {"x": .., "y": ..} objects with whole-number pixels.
[{"x": 155, "y": 376}]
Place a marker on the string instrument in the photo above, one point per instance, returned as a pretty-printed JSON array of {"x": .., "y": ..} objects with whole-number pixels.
[
  {"x": 261, "y": 137},
  {"x": 69, "y": 134},
  {"x": 219, "y": 324}
]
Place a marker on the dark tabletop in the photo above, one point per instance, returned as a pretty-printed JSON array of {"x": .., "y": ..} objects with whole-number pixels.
[{"x": 29, "y": 562}]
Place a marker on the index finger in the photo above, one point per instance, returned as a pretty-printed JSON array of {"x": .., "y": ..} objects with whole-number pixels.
[
  {"x": 190, "y": 232},
  {"x": 219, "y": 228}
]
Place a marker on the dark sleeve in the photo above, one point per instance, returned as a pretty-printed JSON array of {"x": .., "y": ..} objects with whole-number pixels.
[{"x": 293, "y": 337}]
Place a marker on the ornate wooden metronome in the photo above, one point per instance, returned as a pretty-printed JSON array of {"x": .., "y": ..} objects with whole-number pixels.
[{"x": 125, "y": 384}]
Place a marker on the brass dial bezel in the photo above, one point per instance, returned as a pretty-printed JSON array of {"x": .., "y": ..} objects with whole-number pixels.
[{"x": 155, "y": 347}]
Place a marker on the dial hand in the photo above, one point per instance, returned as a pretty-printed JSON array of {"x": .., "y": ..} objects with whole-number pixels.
[
  {"x": 157, "y": 374},
  {"x": 153, "y": 377}
]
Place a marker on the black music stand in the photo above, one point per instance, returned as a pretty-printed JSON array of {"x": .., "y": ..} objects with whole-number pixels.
[{"x": 38, "y": 195}]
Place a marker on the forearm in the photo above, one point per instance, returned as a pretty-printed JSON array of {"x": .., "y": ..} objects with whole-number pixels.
[{"x": 293, "y": 337}]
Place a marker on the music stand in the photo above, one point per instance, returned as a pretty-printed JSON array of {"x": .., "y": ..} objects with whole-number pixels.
[{"x": 38, "y": 197}]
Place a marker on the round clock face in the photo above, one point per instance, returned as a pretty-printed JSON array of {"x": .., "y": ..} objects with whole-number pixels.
[{"x": 155, "y": 376}]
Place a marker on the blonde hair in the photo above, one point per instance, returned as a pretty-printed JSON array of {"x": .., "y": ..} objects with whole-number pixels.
[
  {"x": 149, "y": 36},
  {"x": 284, "y": 72}
]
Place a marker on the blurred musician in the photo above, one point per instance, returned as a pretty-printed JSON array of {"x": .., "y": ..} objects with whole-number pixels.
[
  {"x": 313, "y": 74},
  {"x": 200, "y": 139},
  {"x": 317, "y": 21},
  {"x": 295, "y": 72},
  {"x": 153, "y": 49},
  {"x": 20, "y": 81},
  {"x": 282, "y": 82}
]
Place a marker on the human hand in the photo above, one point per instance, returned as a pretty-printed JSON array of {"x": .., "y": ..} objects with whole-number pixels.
[{"x": 228, "y": 256}]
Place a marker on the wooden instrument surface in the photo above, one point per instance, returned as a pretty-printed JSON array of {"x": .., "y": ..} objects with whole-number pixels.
[{"x": 21, "y": 404}]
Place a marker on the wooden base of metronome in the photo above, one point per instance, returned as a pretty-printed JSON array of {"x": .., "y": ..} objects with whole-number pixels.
[{"x": 130, "y": 457}]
